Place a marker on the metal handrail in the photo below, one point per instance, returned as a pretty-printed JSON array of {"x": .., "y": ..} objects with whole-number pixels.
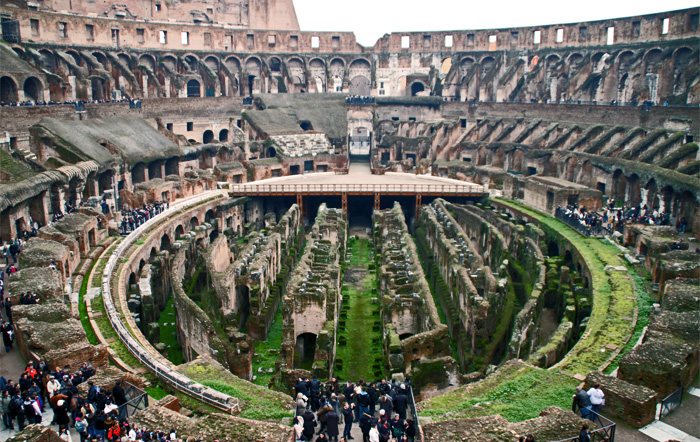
[
  {"x": 178, "y": 381},
  {"x": 606, "y": 431},
  {"x": 671, "y": 402},
  {"x": 353, "y": 188}
]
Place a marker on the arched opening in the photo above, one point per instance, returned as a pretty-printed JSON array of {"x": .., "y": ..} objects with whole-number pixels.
[
  {"x": 165, "y": 242},
  {"x": 271, "y": 152},
  {"x": 360, "y": 86},
  {"x": 207, "y": 136},
  {"x": 97, "y": 86},
  {"x": 304, "y": 351},
  {"x": 154, "y": 170},
  {"x": 223, "y": 135},
  {"x": 179, "y": 231},
  {"x": 242, "y": 306},
  {"x": 8, "y": 90},
  {"x": 619, "y": 186},
  {"x": 568, "y": 259},
  {"x": 552, "y": 249},
  {"x": 138, "y": 174},
  {"x": 153, "y": 254},
  {"x": 416, "y": 88},
  {"x": 193, "y": 89},
  {"x": 172, "y": 167},
  {"x": 274, "y": 64},
  {"x": 306, "y": 125},
  {"x": 104, "y": 182},
  {"x": 33, "y": 91},
  {"x": 209, "y": 216},
  {"x": 194, "y": 222},
  {"x": 131, "y": 284}
]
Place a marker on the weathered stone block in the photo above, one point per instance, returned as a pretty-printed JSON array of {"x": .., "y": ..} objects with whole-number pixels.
[{"x": 634, "y": 404}]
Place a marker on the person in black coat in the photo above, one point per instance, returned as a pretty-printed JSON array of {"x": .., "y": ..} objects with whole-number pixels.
[
  {"x": 332, "y": 420},
  {"x": 401, "y": 402},
  {"x": 309, "y": 424},
  {"x": 583, "y": 435},
  {"x": 348, "y": 416},
  {"x": 8, "y": 336}
]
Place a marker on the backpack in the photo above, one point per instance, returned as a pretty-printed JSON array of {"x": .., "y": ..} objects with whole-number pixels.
[{"x": 80, "y": 426}]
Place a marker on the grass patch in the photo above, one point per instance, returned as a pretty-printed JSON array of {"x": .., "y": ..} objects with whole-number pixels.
[
  {"x": 168, "y": 333},
  {"x": 359, "y": 353},
  {"x": 613, "y": 294},
  {"x": 516, "y": 391},
  {"x": 263, "y": 356},
  {"x": 260, "y": 402},
  {"x": 108, "y": 333},
  {"x": 157, "y": 392},
  {"x": 82, "y": 309}
]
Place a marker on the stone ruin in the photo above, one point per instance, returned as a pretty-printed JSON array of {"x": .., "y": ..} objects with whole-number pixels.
[
  {"x": 311, "y": 305},
  {"x": 416, "y": 342}
]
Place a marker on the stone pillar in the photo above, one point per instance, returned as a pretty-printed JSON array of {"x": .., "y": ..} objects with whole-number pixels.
[
  {"x": 227, "y": 86},
  {"x": 167, "y": 87},
  {"x": 145, "y": 86},
  {"x": 71, "y": 81}
]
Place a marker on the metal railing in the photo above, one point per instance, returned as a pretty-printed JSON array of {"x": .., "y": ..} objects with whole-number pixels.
[
  {"x": 413, "y": 411},
  {"x": 137, "y": 400},
  {"x": 176, "y": 380},
  {"x": 604, "y": 432},
  {"x": 596, "y": 231},
  {"x": 671, "y": 402},
  {"x": 337, "y": 189}
]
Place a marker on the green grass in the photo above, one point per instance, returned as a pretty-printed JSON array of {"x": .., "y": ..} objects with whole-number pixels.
[
  {"x": 108, "y": 333},
  {"x": 516, "y": 391},
  {"x": 361, "y": 356},
  {"x": 260, "y": 402},
  {"x": 168, "y": 333},
  {"x": 82, "y": 309},
  {"x": 15, "y": 168},
  {"x": 157, "y": 392},
  {"x": 263, "y": 358},
  {"x": 611, "y": 295}
]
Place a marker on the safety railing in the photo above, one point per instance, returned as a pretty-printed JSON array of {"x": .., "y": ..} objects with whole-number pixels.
[
  {"x": 605, "y": 431},
  {"x": 671, "y": 402},
  {"x": 176, "y": 380},
  {"x": 337, "y": 189},
  {"x": 137, "y": 399},
  {"x": 413, "y": 410},
  {"x": 596, "y": 231}
]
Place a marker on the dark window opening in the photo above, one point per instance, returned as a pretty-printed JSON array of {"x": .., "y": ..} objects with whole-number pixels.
[{"x": 190, "y": 126}]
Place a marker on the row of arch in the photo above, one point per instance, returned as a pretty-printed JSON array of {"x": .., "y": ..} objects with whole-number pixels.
[{"x": 32, "y": 89}]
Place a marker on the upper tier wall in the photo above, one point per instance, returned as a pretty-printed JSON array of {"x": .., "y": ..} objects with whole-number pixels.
[{"x": 50, "y": 27}]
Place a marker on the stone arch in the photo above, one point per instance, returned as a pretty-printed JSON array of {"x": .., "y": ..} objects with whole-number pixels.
[
  {"x": 33, "y": 90},
  {"x": 634, "y": 196},
  {"x": 624, "y": 59},
  {"x": 149, "y": 61},
  {"x": 360, "y": 73},
  {"x": 194, "y": 222},
  {"x": 652, "y": 197},
  {"x": 76, "y": 57},
  {"x": 297, "y": 72},
  {"x": 138, "y": 173},
  {"x": 681, "y": 59},
  {"x": 169, "y": 62},
  {"x": 209, "y": 216},
  {"x": 233, "y": 64},
  {"x": 317, "y": 70},
  {"x": 172, "y": 166},
  {"x": 417, "y": 87},
  {"x": 253, "y": 68},
  {"x": 48, "y": 61},
  {"x": 194, "y": 89},
  {"x": 125, "y": 58},
  {"x": 102, "y": 59},
  {"x": 464, "y": 65},
  {"x": 165, "y": 242},
  {"x": 20, "y": 52},
  {"x": 212, "y": 63},
  {"x": 275, "y": 64},
  {"x": 552, "y": 249},
  {"x": 98, "y": 87},
  {"x": 8, "y": 90},
  {"x": 190, "y": 63},
  {"x": 598, "y": 60},
  {"x": 652, "y": 60},
  {"x": 619, "y": 185},
  {"x": 574, "y": 59},
  {"x": 305, "y": 350},
  {"x": 104, "y": 181},
  {"x": 207, "y": 136},
  {"x": 179, "y": 231},
  {"x": 487, "y": 64},
  {"x": 154, "y": 170},
  {"x": 152, "y": 254},
  {"x": 223, "y": 135}
]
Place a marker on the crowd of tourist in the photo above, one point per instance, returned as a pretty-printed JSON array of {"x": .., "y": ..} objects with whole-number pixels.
[
  {"x": 133, "y": 218},
  {"x": 57, "y": 103},
  {"x": 359, "y": 99},
  {"x": 379, "y": 408}
]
